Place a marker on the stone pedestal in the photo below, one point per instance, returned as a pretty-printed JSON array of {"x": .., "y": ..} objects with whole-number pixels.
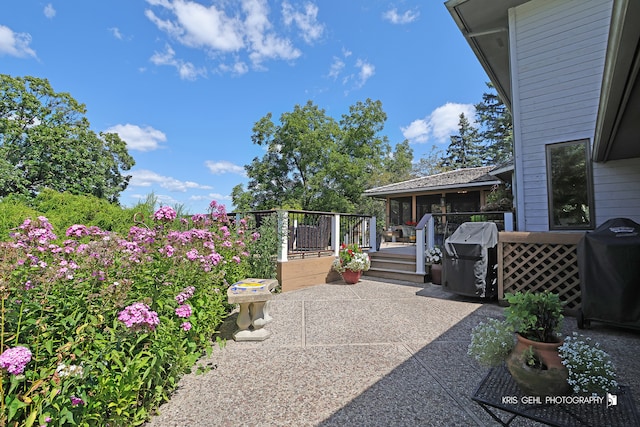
[{"x": 253, "y": 296}]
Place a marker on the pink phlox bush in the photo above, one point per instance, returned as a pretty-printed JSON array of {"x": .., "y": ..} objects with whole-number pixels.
[
  {"x": 165, "y": 213},
  {"x": 139, "y": 316},
  {"x": 184, "y": 310},
  {"x": 77, "y": 230},
  {"x": 186, "y": 293},
  {"x": 15, "y": 359}
]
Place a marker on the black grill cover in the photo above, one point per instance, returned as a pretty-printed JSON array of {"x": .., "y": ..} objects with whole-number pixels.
[
  {"x": 469, "y": 260},
  {"x": 609, "y": 266}
]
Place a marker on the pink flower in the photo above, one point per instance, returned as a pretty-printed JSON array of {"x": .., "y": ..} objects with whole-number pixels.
[
  {"x": 139, "y": 316},
  {"x": 75, "y": 401},
  {"x": 15, "y": 359},
  {"x": 192, "y": 255},
  {"x": 78, "y": 230},
  {"x": 165, "y": 213},
  {"x": 186, "y": 326},
  {"x": 236, "y": 259},
  {"x": 183, "y": 311},
  {"x": 186, "y": 293},
  {"x": 255, "y": 236}
]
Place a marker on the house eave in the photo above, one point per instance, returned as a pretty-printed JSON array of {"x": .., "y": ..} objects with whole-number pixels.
[
  {"x": 617, "y": 124},
  {"x": 439, "y": 188}
]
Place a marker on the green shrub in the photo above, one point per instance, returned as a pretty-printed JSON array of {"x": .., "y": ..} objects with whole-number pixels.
[{"x": 263, "y": 247}]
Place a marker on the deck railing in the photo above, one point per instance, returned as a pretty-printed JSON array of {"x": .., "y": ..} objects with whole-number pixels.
[{"x": 306, "y": 234}]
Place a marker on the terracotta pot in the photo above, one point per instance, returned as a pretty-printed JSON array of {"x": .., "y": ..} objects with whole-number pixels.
[
  {"x": 436, "y": 274},
  {"x": 549, "y": 380},
  {"x": 351, "y": 277}
]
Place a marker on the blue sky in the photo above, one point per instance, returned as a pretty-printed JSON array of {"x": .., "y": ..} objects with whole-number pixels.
[{"x": 184, "y": 81}]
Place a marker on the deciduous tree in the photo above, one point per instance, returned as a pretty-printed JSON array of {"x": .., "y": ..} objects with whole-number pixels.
[
  {"x": 313, "y": 162},
  {"x": 46, "y": 142}
]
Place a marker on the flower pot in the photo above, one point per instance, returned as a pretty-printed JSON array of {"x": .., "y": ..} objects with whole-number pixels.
[
  {"x": 436, "y": 274},
  {"x": 351, "y": 277},
  {"x": 549, "y": 380}
]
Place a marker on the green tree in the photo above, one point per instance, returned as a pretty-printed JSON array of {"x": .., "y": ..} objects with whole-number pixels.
[
  {"x": 46, "y": 142},
  {"x": 241, "y": 199},
  {"x": 399, "y": 165},
  {"x": 464, "y": 148},
  {"x": 497, "y": 127},
  {"x": 313, "y": 162},
  {"x": 431, "y": 163}
]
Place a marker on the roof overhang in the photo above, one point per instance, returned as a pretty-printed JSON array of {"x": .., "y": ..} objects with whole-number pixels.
[
  {"x": 617, "y": 133},
  {"x": 435, "y": 189},
  {"x": 484, "y": 25}
]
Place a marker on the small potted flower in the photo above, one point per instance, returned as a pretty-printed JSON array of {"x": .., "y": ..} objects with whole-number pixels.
[
  {"x": 591, "y": 370},
  {"x": 434, "y": 259},
  {"x": 351, "y": 262}
]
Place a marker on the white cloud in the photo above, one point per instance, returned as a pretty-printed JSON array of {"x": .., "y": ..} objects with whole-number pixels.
[
  {"x": 363, "y": 70},
  {"x": 336, "y": 67},
  {"x": 115, "y": 31},
  {"x": 138, "y": 138},
  {"x": 186, "y": 70},
  {"x": 440, "y": 124},
  {"x": 221, "y": 167},
  {"x": 238, "y": 67},
  {"x": 264, "y": 43},
  {"x": 49, "y": 11},
  {"x": 226, "y": 28},
  {"x": 306, "y": 21},
  {"x": 147, "y": 178},
  {"x": 211, "y": 196},
  {"x": 407, "y": 17},
  {"x": 15, "y": 44},
  {"x": 366, "y": 72}
]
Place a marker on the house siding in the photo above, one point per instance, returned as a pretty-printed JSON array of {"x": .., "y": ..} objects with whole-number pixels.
[
  {"x": 558, "y": 51},
  {"x": 617, "y": 190}
]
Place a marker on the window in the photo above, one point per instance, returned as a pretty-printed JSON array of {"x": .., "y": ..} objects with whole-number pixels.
[
  {"x": 399, "y": 210},
  {"x": 569, "y": 186}
]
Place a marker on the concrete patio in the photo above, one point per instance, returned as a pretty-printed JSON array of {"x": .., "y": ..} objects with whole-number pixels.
[{"x": 378, "y": 353}]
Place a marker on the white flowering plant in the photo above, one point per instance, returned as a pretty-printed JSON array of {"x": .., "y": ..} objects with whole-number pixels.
[
  {"x": 351, "y": 257},
  {"x": 591, "y": 371},
  {"x": 434, "y": 256},
  {"x": 491, "y": 342}
]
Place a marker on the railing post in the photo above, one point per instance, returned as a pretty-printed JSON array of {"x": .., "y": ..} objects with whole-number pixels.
[
  {"x": 508, "y": 221},
  {"x": 283, "y": 233},
  {"x": 420, "y": 242},
  {"x": 431, "y": 232},
  {"x": 373, "y": 237},
  {"x": 335, "y": 234}
]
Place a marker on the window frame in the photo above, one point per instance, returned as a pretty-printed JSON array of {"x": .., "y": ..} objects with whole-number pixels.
[{"x": 589, "y": 178}]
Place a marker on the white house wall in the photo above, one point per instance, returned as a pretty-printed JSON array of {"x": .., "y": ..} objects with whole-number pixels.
[
  {"x": 617, "y": 190},
  {"x": 557, "y": 60}
]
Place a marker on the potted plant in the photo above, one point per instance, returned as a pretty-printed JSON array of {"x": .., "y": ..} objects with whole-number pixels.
[
  {"x": 535, "y": 363},
  {"x": 351, "y": 262},
  {"x": 434, "y": 259},
  {"x": 540, "y": 362}
]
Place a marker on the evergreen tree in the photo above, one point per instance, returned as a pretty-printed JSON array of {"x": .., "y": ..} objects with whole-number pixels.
[
  {"x": 497, "y": 128},
  {"x": 464, "y": 148}
]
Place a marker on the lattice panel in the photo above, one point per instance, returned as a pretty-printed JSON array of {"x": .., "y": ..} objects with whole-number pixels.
[{"x": 539, "y": 267}]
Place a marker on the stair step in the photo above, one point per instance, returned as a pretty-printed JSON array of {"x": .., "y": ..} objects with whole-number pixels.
[
  {"x": 394, "y": 265},
  {"x": 397, "y": 275}
]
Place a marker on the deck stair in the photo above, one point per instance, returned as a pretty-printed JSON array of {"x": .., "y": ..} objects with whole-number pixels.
[{"x": 398, "y": 266}]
